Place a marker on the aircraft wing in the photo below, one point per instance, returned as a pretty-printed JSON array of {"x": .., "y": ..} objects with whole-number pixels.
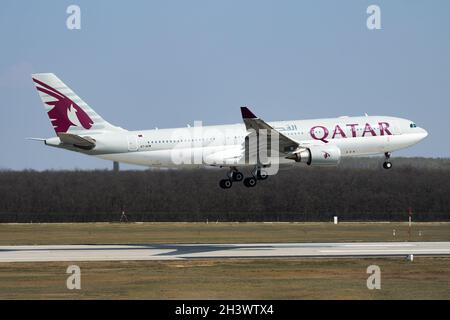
[
  {"x": 226, "y": 157},
  {"x": 77, "y": 141},
  {"x": 252, "y": 122}
]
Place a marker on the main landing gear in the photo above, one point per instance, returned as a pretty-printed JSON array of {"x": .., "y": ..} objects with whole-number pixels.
[
  {"x": 236, "y": 176},
  {"x": 387, "y": 164},
  {"x": 250, "y": 182},
  {"x": 233, "y": 176},
  {"x": 257, "y": 174}
]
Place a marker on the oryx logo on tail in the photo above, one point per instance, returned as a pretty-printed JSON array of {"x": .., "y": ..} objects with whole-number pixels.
[{"x": 65, "y": 113}]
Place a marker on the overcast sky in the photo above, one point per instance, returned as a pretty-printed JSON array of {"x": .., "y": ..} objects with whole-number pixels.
[{"x": 146, "y": 64}]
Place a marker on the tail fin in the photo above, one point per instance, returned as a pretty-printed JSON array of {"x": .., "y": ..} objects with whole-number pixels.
[{"x": 67, "y": 112}]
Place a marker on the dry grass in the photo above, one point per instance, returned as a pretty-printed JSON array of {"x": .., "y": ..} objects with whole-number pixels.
[
  {"x": 138, "y": 233},
  {"x": 425, "y": 278}
]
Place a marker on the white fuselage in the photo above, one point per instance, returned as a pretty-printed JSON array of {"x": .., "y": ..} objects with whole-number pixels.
[{"x": 196, "y": 146}]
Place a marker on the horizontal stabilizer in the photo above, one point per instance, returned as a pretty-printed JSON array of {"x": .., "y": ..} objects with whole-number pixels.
[{"x": 77, "y": 141}]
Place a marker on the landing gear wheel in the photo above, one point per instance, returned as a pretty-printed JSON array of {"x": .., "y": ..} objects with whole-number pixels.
[
  {"x": 250, "y": 182},
  {"x": 387, "y": 165},
  {"x": 225, "y": 183},
  {"x": 237, "y": 176},
  {"x": 262, "y": 175}
]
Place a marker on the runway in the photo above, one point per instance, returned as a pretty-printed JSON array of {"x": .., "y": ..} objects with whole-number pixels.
[{"x": 218, "y": 251}]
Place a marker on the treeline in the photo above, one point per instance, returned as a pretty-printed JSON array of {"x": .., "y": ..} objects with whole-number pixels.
[
  {"x": 413, "y": 162},
  {"x": 296, "y": 194}
]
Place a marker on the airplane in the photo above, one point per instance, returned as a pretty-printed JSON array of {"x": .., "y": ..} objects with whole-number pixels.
[{"x": 315, "y": 142}]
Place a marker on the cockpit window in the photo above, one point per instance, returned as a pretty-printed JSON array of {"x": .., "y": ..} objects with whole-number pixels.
[{"x": 412, "y": 125}]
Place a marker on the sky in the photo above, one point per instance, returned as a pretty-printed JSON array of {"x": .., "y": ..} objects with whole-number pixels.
[{"x": 168, "y": 63}]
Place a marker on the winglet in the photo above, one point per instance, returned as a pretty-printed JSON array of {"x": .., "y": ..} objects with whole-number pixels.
[{"x": 247, "y": 114}]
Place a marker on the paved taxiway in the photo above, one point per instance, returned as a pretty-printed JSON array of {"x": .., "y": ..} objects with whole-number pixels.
[{"x": 205, "y": 251}]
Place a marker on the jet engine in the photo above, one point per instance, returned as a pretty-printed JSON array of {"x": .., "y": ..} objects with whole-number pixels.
[{"x": 317, "y": 155}]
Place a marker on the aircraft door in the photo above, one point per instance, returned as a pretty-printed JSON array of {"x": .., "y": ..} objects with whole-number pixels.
[{"x": 132, "y": 143}]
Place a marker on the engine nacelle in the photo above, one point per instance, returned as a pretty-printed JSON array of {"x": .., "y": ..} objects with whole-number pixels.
[{"x": 318, "y": 155}]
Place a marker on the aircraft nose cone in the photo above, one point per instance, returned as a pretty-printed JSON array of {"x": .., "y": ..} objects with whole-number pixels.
[{"x": 423, "y": 133}]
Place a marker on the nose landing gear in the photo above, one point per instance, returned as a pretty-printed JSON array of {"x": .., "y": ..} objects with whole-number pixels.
[{"x": 387, "y": 164}]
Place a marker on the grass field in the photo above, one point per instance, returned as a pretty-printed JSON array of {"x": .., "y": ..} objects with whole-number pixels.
[
  {"x": 138, "y": 233},
  {"x": 425, "y": 278}
]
